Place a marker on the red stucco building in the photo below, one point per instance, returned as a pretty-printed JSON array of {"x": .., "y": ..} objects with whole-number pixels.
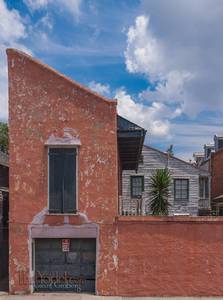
[
  {"x": 68, "y": 148},
  {"x": 64, "y": 185}
]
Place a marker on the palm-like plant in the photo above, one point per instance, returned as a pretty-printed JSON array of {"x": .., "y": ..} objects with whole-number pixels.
[{"x": 159, "y": 192}]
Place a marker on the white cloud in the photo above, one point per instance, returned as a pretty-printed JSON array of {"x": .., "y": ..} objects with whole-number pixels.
[
  {"x": 149, "y": 117},
  {"x": 36, "y": 4},
  {"x": 71, "y": 6},
  {"x": 147, "y": 55},
  {"x": 170, "y": 90},
  {"x": 12, "y": 31},
  {"x": 100, "y": 88},
  {"x": 178, "y": 42},
  {"x": 45, "y": 22},
  {"x": 154, "y": 117},
  {"x": 176, "y": 45},
  {"x": 144, "y": 54},
  {"x": 11, "y": 26}
]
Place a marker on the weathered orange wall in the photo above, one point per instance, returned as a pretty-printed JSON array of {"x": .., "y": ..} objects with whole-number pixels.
[
  {"x": 43, "y": 102},
  {"x": 169, "y": 256}
]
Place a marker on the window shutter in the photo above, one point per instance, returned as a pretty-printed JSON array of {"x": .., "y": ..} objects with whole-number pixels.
[
  {"x": 69, "y": 181},
  {"x": 55, "y": 180}
]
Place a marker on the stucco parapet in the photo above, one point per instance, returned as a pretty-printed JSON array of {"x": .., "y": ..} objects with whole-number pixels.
[{"x": 12, "y": 51}]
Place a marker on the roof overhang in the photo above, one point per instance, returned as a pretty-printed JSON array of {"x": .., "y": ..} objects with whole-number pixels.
[{"x": 130, "y": 142}]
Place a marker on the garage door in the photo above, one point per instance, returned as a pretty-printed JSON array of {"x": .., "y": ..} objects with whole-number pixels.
[{"x": 65, "y": 265}]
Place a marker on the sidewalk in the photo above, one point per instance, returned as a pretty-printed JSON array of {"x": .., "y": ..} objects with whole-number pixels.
[{"x": 69, "y": 296}]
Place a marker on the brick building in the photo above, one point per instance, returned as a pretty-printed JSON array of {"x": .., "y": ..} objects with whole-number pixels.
[
  {"x": 68, "y": 149},
  {"x": 216, "y": 168},
  {"x": 212, "y": 161},
  {"x": 64, "y": 178}
]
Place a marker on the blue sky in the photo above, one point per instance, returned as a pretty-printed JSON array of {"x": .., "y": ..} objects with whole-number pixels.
[{"x": 162, "y": 60}]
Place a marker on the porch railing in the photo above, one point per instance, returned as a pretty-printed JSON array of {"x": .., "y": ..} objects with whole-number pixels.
[
  {"x": 131, "y": 207},
  {"x": 204, "y": 204},
  {"x": 136, "y": 206}
]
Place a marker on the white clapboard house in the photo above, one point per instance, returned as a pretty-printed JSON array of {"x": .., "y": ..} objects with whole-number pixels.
[{"x": 189, "y": 192}]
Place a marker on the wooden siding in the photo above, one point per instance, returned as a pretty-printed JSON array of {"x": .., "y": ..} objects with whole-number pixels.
[{"x": 153, "y": 160}]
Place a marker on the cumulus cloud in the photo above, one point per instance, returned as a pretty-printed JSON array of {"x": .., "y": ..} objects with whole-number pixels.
[
  {"x": 151, "y": 117},
  {"x": 148, "y": 55},
  {"x": 178, "y": 43},
  {"x": 12, "y": 32},
  {"x": 71, "y": 6},
  {"x": 103, "y": 89},
  {"x": 144, "y": 53},
  {"x": 154, "y": 117},
  {"x": 45, "y": 22},
  {"x": 170, "y": 90},
  {"x": 8, "y": 30},
  {"x": 36, "y": 4}
]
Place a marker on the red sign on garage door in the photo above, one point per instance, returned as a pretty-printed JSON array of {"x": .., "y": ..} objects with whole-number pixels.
[{"x": 65, "y": 245}]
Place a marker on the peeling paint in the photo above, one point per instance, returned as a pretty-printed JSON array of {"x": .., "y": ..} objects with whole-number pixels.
[
  {"x": 19, "y": 266},
  {"x": 115, "y": 260},
  {"x": 39, "y": 218}
]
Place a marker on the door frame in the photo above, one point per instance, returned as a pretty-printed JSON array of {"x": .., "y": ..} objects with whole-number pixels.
[{"x": 33, "y": 263}]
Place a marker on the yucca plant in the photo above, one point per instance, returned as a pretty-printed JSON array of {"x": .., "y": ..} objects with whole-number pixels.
[{"x": 159, "y": 192}]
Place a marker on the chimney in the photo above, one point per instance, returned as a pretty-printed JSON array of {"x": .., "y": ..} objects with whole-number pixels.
[
  {"x": 218, "y": 142},
  {"x": 208, "y": 149},
  {"x": 198, "y": 157}
]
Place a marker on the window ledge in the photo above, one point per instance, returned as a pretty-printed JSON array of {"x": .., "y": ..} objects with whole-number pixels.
[
  {"x": 67, "y": 140},
  {"x": 62, "y": 214}
]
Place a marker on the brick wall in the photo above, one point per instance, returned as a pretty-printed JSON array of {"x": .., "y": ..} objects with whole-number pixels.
[
  {"x": 170, "y": 256},
  {"x": 217, "y": 174},
  {"x": 44, "y": 103}
]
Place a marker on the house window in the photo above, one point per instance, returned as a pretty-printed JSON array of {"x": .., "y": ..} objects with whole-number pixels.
[
  {"x": 181, "y": 189},
  {"x": 62, "y": 180},
  {"x": 204, "y": 188},
  {"x": 137, "y": 186}
]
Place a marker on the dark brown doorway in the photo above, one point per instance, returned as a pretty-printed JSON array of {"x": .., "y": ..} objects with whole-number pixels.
[{"x": 65, "y": 266}]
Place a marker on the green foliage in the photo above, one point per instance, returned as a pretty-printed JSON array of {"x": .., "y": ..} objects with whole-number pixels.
[
  {"x": 159, "y": 192},
  {"x": 4, "y": 137}
]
